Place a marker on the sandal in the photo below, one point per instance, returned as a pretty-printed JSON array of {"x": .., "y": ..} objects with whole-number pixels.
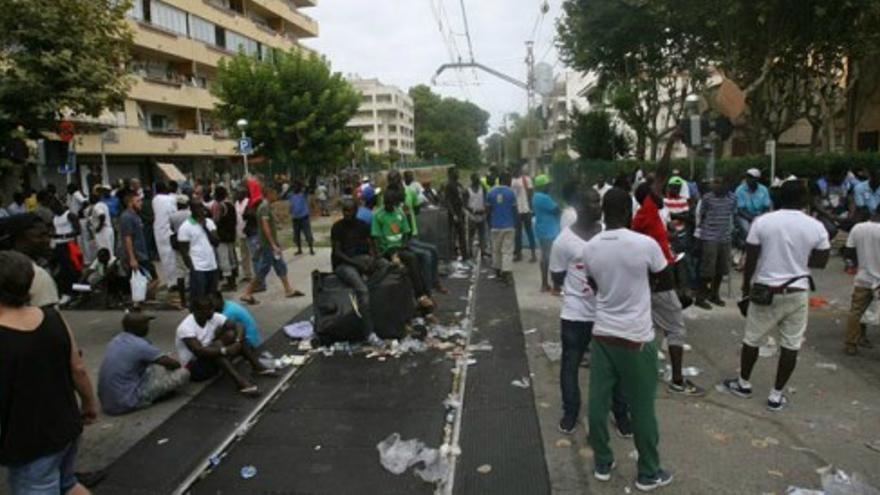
[
  {"x": 249, "y": 300},
  {"x": 250, "y": 391},
  {"x": 295, "y": 293}
]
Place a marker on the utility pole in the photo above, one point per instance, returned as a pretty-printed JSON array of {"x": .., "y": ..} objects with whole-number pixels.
[{"x": 530, "y": 124}]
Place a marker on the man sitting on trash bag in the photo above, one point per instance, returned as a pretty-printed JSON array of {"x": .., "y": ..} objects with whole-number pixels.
[
  {"x": 354, "y": 258},
  {"x": 207, "y": 342},
  {"x": 391, "y": 230},
  {"x": 134, "y": 372}
]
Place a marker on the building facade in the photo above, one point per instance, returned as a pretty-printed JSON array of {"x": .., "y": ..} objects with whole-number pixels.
[
  {"x": 385, "y": 118},
  {"x": 168, "y": 116}
]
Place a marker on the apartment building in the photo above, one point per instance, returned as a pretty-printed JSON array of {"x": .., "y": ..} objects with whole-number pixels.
[
  {"x": 385, "y": 118},
  {"x": 168, "y": 116}
]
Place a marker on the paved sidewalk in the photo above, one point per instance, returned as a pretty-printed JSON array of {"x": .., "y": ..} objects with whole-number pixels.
[{"x": 722, "y": 444}]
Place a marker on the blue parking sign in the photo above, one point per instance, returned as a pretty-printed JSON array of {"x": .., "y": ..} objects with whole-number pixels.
[{"x": 244, "y": 146}]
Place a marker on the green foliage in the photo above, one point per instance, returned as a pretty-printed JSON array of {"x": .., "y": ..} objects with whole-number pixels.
[
  {"x": 59, "y": 55},
  {"x": 448, "y": 127},
  {"x": 297, "y": 110},
  {"x": 799, "y": 164},
  {"x": 519, "y": 128},
  {"x": 594, "y": 136}
]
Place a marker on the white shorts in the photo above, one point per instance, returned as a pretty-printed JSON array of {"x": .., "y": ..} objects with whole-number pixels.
[{"x": 788, "y": 313}]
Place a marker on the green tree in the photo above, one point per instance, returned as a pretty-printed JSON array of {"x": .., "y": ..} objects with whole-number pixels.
[
  {"x": 60, "y": 56},
  {"x": 519, "y": 127},
  {"x": 448, "y": 127},
  {"x": 594, "y": 137},
  {"x": 296, "y": 107}
]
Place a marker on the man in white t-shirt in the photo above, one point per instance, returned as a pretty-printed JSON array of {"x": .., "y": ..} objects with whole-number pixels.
[
  {"x": 863, "y": 248},
  {"x": 207, "y": 341},
  {"x": 579, "y": 309},
  {"x": 780, "y": 250},
  {"x": 602, "y": 186},
  {"x": 522, "y": 188},
  {"x": 196, "y": 239},
  {"x": 620, "y": 264}
]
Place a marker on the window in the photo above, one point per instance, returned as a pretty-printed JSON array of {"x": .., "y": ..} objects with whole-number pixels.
[
  {"x": 202, "y": 30},
  {"x": 220, "y": 36},
  {"x": 158, "y": 121},
  {"x": 168, "y": 17},
  {"x": 137, "y": 10},
  {"x": 236, "y": 42}
]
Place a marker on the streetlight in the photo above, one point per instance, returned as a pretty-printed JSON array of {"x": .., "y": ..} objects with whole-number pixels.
[
  {"x": 692, "y": 105},
  {"x": 242, "y": 126}
]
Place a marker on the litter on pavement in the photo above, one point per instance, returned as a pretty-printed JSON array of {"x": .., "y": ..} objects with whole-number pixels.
[
  {"x": 523, "y": 382},
  {"x": 398, "y": 455},
  {"x": 553, "y": 351},
  {"x": 248, "y": 472},
  {"x": 299, "y": 330},
  {"x": 827, "y": 366}
]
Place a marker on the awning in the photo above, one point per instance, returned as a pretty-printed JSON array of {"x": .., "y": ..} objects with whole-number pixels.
[{"x": 171, "y": 172}]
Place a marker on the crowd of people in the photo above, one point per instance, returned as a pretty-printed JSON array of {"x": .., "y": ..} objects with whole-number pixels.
[{"x": 626, "y": 258}]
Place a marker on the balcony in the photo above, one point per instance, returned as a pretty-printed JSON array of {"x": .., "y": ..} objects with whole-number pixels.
[
  {"x": 136, "y": 141},
  {"x": 300, "y": 25},
  {"x": 179, "y": 94},
  {"x": 303, "y": 3}
]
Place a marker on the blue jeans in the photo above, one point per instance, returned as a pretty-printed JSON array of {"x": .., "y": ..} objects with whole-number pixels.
[
  {"x": 48, "y": 475},
  {"x": 264, "y": 260},
  {"x": 576, "y": 336},
  {"x": 429, "y": 258}
]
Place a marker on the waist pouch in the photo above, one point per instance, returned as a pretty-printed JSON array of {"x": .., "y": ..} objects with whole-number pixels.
[{"x": 762, "y": 294}]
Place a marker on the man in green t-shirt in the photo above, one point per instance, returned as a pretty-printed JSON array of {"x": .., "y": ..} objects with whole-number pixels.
[
  {"x": 267, "y": 252},
  {"x": 391, "y": 230},
  {"x": 428, "y": 255}
]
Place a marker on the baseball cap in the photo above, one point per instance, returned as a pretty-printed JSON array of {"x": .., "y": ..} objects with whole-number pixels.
[
  {"x": 753, "y": 172},
  {"x": 136, "y": 319},
  {"x": 676, "y": 180},
  {"x": 542, "y": 180}
]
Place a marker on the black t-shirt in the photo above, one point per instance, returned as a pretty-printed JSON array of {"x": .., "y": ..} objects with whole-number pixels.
[{"x": 353, "y": 235}]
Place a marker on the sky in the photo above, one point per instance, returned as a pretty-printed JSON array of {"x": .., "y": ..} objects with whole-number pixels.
[{"x": 402, "y": 42}]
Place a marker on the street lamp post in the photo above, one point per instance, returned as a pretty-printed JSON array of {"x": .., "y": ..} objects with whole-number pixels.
[
  {"x": 242, "y": 126},
  {"x": 692, "y": 104}
]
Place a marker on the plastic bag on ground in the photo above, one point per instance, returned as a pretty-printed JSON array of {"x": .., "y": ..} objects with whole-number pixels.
[
  {"x": 837, "y": 482},
  {"x": 139, "y": 283},
  {"x": 553, "y": 351},
  {"x": 872, "y": 314},
  {"x": 398, "y": 455},
  {"x": 299, "y": 330}
]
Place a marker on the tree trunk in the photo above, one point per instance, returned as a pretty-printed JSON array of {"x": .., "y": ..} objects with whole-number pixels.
[
  {"x": 640, "y": 145},
  {"x": 815, "y": 130}
]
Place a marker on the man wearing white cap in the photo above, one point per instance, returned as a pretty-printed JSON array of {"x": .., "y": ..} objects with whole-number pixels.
[{"x": 752, "y": 200}]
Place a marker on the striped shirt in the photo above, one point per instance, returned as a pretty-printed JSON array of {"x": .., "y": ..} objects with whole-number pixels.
[{"x": 716, "y": 217}]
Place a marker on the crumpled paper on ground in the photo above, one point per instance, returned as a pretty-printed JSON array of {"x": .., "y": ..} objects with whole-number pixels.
[{"x": 398, "y": 455}]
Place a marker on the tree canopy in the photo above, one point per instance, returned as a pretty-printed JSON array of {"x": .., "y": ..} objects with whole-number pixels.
[
  {"x": 789, "y": 57},
  {"x": 296, "y": 108},
  {"x": 448, "y": 127},
  {"x": 594, "y": 136},
  {"x": 60, "y": 55}
]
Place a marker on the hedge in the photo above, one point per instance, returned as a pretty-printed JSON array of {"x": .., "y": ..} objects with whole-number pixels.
[{"x": 801, "y": 165}]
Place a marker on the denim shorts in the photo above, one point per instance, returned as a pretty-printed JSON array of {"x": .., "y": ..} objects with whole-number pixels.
[
  {"x": 48, "y": 475},
  {"x": 264, "y": 260}
]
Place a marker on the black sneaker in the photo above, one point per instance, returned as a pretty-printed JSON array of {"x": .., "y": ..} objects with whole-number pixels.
[
  {"x": 702, "y": 303},
  {"x": 602, "y": 472},
  {"x": 651, "y": 483},
  {"x": 567, "y": 425},
  {"x": 686, "y": 388},
  {"x": 776, "y": 406},
  {"x": 732, "y": 385},
  {"x": 864, "y": 342}
]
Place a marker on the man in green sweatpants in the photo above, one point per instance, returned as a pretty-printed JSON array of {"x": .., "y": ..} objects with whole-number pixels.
[{"x": 620, "y": 264}]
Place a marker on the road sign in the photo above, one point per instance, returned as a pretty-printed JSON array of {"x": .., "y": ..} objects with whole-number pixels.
[
  {"x": 69, "y": 165},
  {"x": 245, "y": 146}
]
